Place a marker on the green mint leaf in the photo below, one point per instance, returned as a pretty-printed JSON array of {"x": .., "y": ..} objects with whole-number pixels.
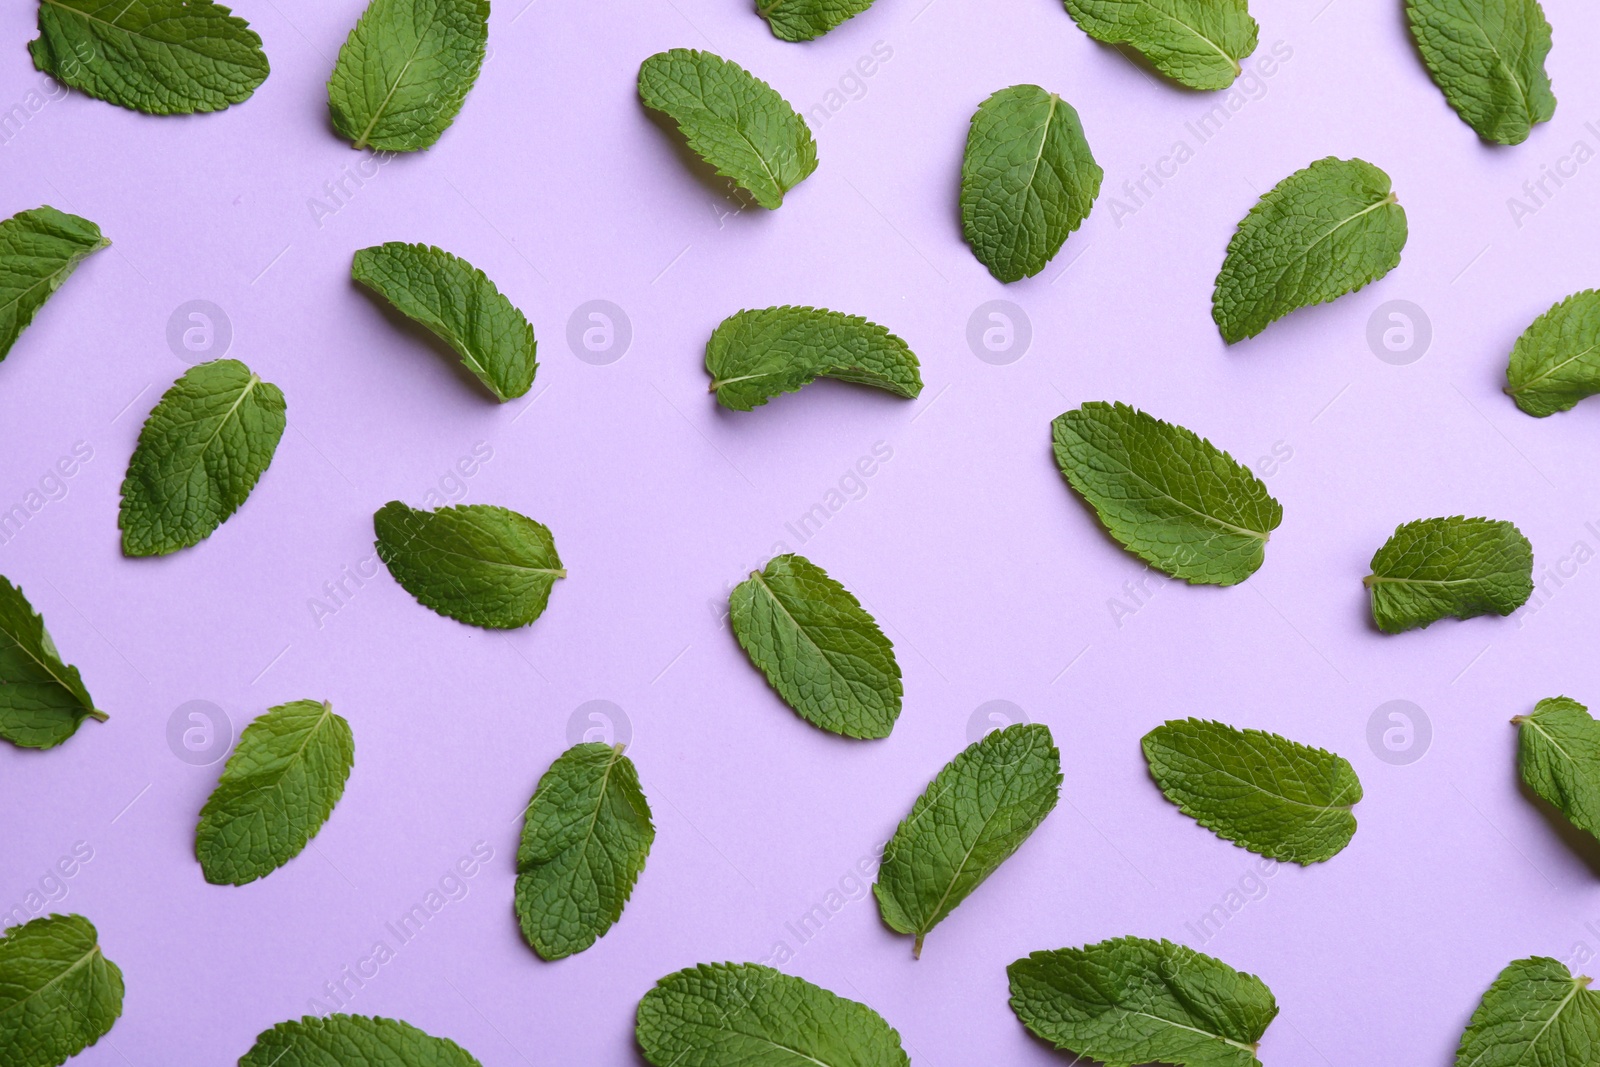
[
  {"x": 278, "y": 788},
  {"x": 1167, "y": 495},
  {"x": 477, "y": 564},
  {"x": 42, "y": 700},
  {"x": 201, "y": 452},
  {"x": 1280, "y": 799},
  {"x": 405, "y": 70},
  {"x": 971, "y": 818},
  {"x": 720, "y": 1014},
  {"x": 1434, "y": 568},
  {"x": 818, "y": 647},
  {"x": 58, "y": 992},
  {"x": 1488, "y": 58},
  {"x": 806, "y": 20},
  {"x": 733, "y": 120},
  {"x": 162, "y": 57},
  {"x": 586, "y": 838},
  {"x": 1197, "y": 43},
  {"x": 754, "y": 356},
  {"x": 1556, "y": 361},
  {"x": 1130, "y": 1001},
  {"x": 1558, "y": 753},
  {"x": 353, "y": 1041},
  {"x": 1320, "y": 233},
  {"x": 1028, "y": 180},
  {"x": 460, "y": 305},
  {"x": 1536, "y": 1014},
  {"x": 39, "y": 249}
]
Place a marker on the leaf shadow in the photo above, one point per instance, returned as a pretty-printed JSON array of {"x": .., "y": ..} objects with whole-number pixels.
[
  {"x": 1582, "y": 844},
  {"x": 426, "y": 338}
]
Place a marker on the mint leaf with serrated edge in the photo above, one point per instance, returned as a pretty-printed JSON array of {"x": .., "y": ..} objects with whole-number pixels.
[
  {"x": 585, "y": 840},
  {"x": 1558, "y": 755},
  {"x": 1167, "y": 495},
  {"x": 1431, "y": 569},
  {"x": 1487, "y": 57},
  {"x": 1320, "y": 233},
  {"x": 405, "y": 70},
  {"x": 200, "y": 454},
  {"x": 974, "y": 814},
  {"x": 733, "y": 120},
  {"x": 1028, "y": 180},
  {"x": 1536, "y": 1014},
  {"x": 39, "y": 249},
  {"x": 720, "y": 1014},
  {"x": 1131, "y": 1001},
  {"x": 58, "y": 992},
  {"x": 1556, "y": 361},
  {"x": 42, "y": 700},
  {"x": 806, "y": 20},
  {"x": 754, "y": 356},
  {"x": 818, "y": 647},
  {"x": 353, "y": 1041},
  {"x": 1197, "y": 43},
  {"x": 1283, "y": 800}
]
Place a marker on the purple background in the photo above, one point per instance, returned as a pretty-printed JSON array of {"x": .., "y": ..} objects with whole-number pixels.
[{"x": 991, "y": 579}]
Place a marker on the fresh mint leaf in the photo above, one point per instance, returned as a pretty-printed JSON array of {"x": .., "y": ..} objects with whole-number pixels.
[
  {"x": 162, "y": 57},
  {"x": 1536, "y": 1014},
  {"x": 754, "y": 356},
  {"x": 1028, "y": 180},
  {"x": 1197, "y": 43},
  {"x": 58, "y": 992},
  {"x": 818, "y": 647},
  {"x": 1167, "y": 495},
  {"x": 971, "y": 818},
  {"x": 201, "y": 452},
  {"x": 405, "y": 70},
  {"x": 353, "y": 1041},
  {"x": 722, "y": 1014},
  {"x": 1558, "y": 753},
  {"x": 1434, "y": 568},
  {"x": 42, "y": 700},
  {"x": 1283, "y": 800},
  {"x": 1556, "y": 361},
  {"x": 585, "y": 840},
  {"x": 733, "y": 120},
  {"x": 1487, "y": 56},
  {"x": 1320, "y": 233},
  {"x": 481, "y": 565},
  {"x": 806, "y": 20},
  {"x": 1132, "y": 1001},
  {"x": 39, "y": 249}
]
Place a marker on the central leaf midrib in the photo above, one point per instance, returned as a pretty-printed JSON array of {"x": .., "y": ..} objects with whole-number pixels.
[
  {"x": 94, "y": 950},
  {"x": 1233, "y": 61},
  {"x": 1127, "y": 469},
  {"x": 824, "y": 653}
]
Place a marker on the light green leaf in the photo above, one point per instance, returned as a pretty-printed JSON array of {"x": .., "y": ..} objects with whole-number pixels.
[
  {"x": 1028, "y": 180},
  {"x": 201, "y": 452},
  {"x": 42, "y": 700},
  {"x": 163, "y": 57},
  {"x": 481, "y": 565},
  {"x": 58, "y": 992},
  {"x": 733, "y": 120},
  {"x": 744, "y": 1014},
  {"x": 1536, "y": 1014},
  {"x": 353, "y": 1041},
  {"x": 1434, "y": 568},
  {"x": 971, "y": 818},
  {"x": 1488, "y": 58},
  {"x": 1167, "y": 495},
  {"x": 278, "y": 788},
  {"x": 1132, "y": 1001},
  {"x": 1320, "y": 233},
  {"x": 1268, "y": 794},
  {"x": 806, "y": 20},
  {"x": 585, "y": 840},
  {"x": 754, "y": 356},
  {"x": 1197, "y": 43},
  {"x": 818, "y": 647},
  {"x": 1556, "y": 361},
  {"x": 1558, "y": 753},
  {"x": 39, "y": 249},
  {"x": 405, "y": 70}
]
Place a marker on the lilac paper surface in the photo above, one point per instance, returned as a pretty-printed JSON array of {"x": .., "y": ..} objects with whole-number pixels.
[{"x": 993, "y": 581}]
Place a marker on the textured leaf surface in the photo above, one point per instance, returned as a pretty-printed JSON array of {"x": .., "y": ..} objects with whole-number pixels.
[
  {"x": 39, "y": 249},
  {"x": 278, "y": 788},
  {"x": 1488, "y": 58},
  {"x": 201, "y": 452},
  {"x": 58, "y": 992},
  {"x": 1198, "y": 43},
  {"x": 1283, "y": 800},
  {"x": 971, "y": 818},
  {"x": 818, "y": 647},
  {"x": 1434, "y": 568},
  {"x": 1320, "y": 233},
  {"x": 1536, "y": 1014},
  {"x": 1166, "y": 494},
  {"x": 164, "y": 57},
  {"x": 1558, "y": 753},
  {"x": 584, "y": 842},
  {"x": 405, "y": 70},
  {"x": 1028, "y": 180},
  {"x": 353, "y": 1041},
  {"x": 42, "y": 700},
  {"x": 1132, "y": 1001},
  {"x": 744, "y": 1014},
  {"x": 754, "y": 356},
  {"x": 806, "y": 20},
  {"x": 1556, "y": 361},
  {"x": 481, "y": 565}
]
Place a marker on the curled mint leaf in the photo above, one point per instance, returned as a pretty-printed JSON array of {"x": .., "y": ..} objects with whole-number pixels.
[
  {"x": 353, "y": 1041},
  {"x": 1487, "y": 56},
  {"x": 42, "y": 700},
  {"x": 1435, "y": 568},
  {"x": 1558, "y": 755},
  {"x": 39, "y": 249},
  {"x": 1556, "y": 361},
  {"x": 1197, "y": 43},
  {"x": 754, "y": 356},
  {"x": 1536, "y": 1014},
  {"x": 806, "y": 20},
  {"x": 58, "y": 992}
]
